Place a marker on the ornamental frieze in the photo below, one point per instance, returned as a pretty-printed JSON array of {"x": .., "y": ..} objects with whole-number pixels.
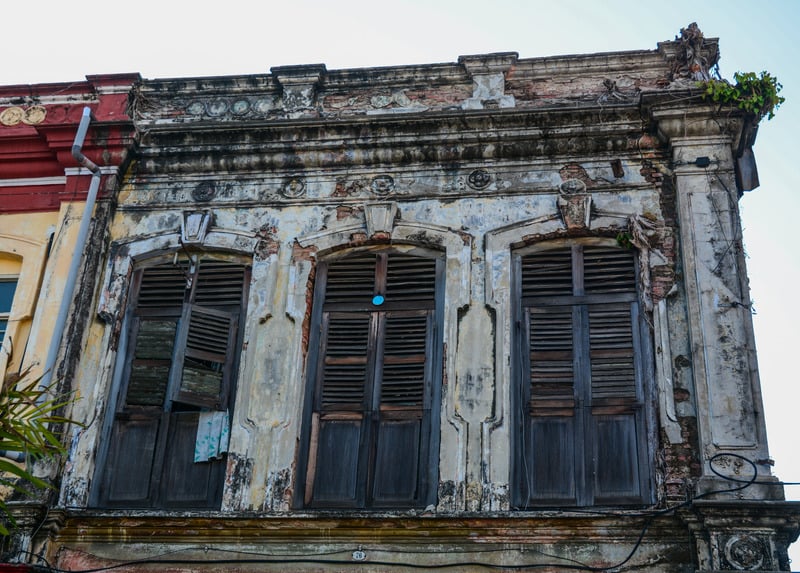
[{"x": 309, "y": 187}]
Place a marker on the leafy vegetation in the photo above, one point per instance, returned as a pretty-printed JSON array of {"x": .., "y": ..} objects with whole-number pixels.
[
  {"x": 756, "y": 94},
  {"x": 27, "y": 417}
]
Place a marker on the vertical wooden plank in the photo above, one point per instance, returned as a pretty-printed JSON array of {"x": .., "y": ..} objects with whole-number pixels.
[
  {"x": 397, "y": 462},
  {"x": 127, "y": 479},
  {"x": 337, "y": 463},
  {"x": 184, "y": 482}
]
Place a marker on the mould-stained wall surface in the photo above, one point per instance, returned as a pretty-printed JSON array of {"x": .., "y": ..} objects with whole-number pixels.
[{"x": 484, "y": 314}]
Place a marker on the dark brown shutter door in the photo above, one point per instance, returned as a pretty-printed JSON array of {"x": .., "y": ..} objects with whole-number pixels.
[
  {"x": 337, "y": 434},
  {"x": 370, "y": 429},
  {"x": 185, "y": 483},
  {"x": 616, "y": 424},
  {"x": 178, "y": 351},
  {"x": 583, "y": 440},
  {"x": 553, "y": 436},
  {"x": 129, "y": 465},
  {"x": 403, "y": 416}
]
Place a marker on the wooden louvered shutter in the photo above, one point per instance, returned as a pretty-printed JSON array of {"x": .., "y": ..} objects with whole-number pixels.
[
  {"x": 616, "y": 423},
  {"x": 182, "y": 353},
  {"x": 403, "y": 404},
  {"x": 340, "y": 420},
  {"x": 210, "y": 336},
  {"x": 131, "y": 462},
  {"x": 552, "y": 436},
  {"x": 583, "y": 436},
  {"x": 201, "y": 378},
  {"x": 337, "y": 470},
  {"x": 403, "y": 417},
  {"x": 370, "y": 434}
]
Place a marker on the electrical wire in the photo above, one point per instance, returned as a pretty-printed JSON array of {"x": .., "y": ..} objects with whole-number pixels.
[{"x": 563, "y": 563}]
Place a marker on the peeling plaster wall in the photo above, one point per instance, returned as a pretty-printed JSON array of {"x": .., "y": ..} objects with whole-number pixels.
[{"x": 475, "y": 160}]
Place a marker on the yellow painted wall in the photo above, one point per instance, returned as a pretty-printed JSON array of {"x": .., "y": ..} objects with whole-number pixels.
[{"x": 24, "y": 246}]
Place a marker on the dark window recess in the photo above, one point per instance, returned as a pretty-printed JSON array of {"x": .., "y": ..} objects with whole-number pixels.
[
  {"x": 180, "y": 362},
  {"x": 581, "y": 438},
  {"x": 371, "y": 432}
]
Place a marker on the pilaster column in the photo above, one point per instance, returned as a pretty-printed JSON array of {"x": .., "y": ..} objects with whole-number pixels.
[{"x": 726, "y": 384}]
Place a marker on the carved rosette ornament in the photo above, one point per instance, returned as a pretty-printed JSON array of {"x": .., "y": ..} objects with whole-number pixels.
[
  {"x": 575, "y": 205},
  {"x": 743, "y": 552},
  {"x": 32, "y": 115},
  {"x": 204, "y": 191},
  {"x": 382, "y": 185},
  {"x": 479, "y": 179},
  {"x": 293, "y": 187}
]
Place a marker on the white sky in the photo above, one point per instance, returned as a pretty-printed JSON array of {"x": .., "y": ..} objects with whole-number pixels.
[{"x": 61, "y": 41}]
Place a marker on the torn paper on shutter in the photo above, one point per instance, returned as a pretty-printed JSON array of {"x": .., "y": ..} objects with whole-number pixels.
[{"x": 212, "y": 436}]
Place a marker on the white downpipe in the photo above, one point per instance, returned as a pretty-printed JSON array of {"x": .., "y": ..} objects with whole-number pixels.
[{"x": 77, "y": 254}]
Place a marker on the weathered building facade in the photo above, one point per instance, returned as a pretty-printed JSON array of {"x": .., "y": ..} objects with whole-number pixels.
[{"x": 491, "y": 313}]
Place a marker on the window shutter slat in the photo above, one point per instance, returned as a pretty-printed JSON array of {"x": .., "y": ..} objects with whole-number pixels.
[
  {"x": 613, "y": 369},
  {"x": 219, "y": 284},
  {"x": 345, "y": 364},
  {"x": 608, "y": 270},
  {"x": 351, "y": 280},
  {"x": 547, "y": 273},
  {"x": 404, "y": 354},
  {"x": 150, "y": 365},
  {"x": 410, "y": 278},
  {"x": 162, "y": 286},
  {"x": 551, "y": 361},
  {"x": 211, "y": 333}
]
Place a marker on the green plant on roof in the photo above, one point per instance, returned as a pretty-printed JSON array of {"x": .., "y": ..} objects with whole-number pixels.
[{"x": 756, "y": 94}]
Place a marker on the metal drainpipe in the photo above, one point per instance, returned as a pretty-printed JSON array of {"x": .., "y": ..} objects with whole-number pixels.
[{"x": 77, "y": 254}]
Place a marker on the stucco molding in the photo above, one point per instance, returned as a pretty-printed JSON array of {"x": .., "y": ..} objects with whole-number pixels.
[{"x": 127, "y": 252}]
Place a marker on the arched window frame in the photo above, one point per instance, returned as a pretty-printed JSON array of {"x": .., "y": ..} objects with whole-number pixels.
[{"x": 376, "y": 425}]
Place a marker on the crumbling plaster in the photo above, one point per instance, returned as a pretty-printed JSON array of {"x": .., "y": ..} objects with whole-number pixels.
[{"x": 299, "y": 165}]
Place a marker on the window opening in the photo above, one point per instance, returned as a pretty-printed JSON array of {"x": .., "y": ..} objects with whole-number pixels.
[
  {"x": 581, "y": 438},
  {"x": 179, "y": 375},
  {"x": 374, "y": 370}
]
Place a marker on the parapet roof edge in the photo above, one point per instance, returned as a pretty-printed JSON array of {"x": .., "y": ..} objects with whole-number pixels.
[{"x": 443, "y": 70}]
